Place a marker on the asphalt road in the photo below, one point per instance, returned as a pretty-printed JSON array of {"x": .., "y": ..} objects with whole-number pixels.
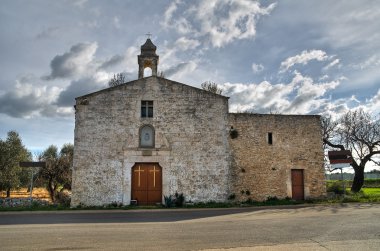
[{"x": 339, "y": 227}]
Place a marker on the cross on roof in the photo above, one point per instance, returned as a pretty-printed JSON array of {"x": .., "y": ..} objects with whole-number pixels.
[{"x": 148, "y": 35}]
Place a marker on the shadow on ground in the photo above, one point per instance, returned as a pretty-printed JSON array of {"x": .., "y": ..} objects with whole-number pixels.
[{"x": 137, "y": 216}]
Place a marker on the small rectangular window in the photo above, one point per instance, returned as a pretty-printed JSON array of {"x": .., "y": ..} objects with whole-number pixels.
[
  {"x": 270, "y": 138},
  {"x": 146, "y": 109}
]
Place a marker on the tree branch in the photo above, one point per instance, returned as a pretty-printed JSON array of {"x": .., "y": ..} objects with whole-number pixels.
[{"x": 327, "y": 142}]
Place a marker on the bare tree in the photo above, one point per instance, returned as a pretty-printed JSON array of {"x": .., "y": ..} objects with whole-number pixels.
[
  {"x": 356, "y": 131},
  {"x": 211, "y": 87},
  {"x": 117, "y": 79}
]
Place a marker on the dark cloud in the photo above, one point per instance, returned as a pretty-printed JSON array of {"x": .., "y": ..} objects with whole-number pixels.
[
  {"x": 180, "y": 69},
  {"x": 27, "y": 100},
  {"x": 300, "y": 102},
  {"x": 115, "y": 60},
  {"x": 85, "y": 86},
  {"x": 73, "y": 63},
  {"x": 48, "y": 33},
  {"x": 78, "y": 88},
  {"x": 17, "y": 107}
]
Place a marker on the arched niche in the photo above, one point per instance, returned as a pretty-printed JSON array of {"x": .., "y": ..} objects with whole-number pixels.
[{"x": 147, "y": 136}]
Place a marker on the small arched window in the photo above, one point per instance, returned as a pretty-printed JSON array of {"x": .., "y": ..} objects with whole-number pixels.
[{"x": 147, "y": 136}]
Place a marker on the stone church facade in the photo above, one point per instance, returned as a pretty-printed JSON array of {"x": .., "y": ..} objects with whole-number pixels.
[{"x": 152, "y": 137}]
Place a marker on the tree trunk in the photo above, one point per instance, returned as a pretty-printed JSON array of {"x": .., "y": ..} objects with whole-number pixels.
[
  {"x": 8, "y": 192},
  {"x": 51, "y": 191},
  {"x": 358, "y": 179}
]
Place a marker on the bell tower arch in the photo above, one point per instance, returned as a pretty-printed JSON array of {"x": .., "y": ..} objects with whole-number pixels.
[{"x": 148, "y": 58}]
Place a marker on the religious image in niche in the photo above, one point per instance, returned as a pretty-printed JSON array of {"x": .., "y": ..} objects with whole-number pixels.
[{"x": 146, "y": 137}]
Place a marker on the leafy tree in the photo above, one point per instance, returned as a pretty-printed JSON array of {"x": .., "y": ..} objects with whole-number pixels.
[
  {"x": 211, "y": 87},
  {"x": 356, "y": 131},
  {"x": 117, "y": 79},
  {"x": 57, "y": 172},
  {"x": 12, "y": 151}
]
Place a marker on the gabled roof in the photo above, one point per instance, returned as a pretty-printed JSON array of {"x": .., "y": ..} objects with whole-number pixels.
[{"x": 160, "y": 79}]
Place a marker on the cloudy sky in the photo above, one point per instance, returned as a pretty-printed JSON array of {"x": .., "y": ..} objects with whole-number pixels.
[{"x": 292, "y": 57}]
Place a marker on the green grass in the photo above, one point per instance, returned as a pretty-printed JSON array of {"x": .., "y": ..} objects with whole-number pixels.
[
  {"x": 365, "y": 195},
  {"x": 373, "y": 191}
]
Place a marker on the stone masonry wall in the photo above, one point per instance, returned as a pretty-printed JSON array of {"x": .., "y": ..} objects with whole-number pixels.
[
  {"x": 265, "y": 170},
  {"x": 191, "y": 141}
]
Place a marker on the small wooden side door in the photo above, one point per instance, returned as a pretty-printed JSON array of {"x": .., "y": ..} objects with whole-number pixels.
[{"x": 297, "y": 184}]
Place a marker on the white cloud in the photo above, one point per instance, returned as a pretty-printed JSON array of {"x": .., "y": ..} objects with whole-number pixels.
[
  {"x": 184, "y": 43},
  {"x": 131, "y": 59},
  {"x": 335, "y": 62},
  {"x": 260, "y": 97},
  {"x": 373, "y": 104},
  {"x": 169, "y": 14},
  {"x": 324, "y": 77},
  {"x": 309, "y": 96},
  {"x": 179, "y": 23},
  {"x": 370, "y": 62},
  {"x": 303, "y": 58},
  {"x": 257, "y": 68},
  {"x": 221, "y": 22},
  {"x": 300, "y": 96},
  {"x": 225, "y": 21}
]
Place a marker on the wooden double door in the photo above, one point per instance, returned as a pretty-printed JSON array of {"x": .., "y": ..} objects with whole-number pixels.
[{"x": 147, "y": 183}]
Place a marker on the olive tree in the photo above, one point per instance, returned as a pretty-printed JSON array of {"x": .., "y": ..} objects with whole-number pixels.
[
  {"x": 12, "y": 151},
  {"x": 57, "y": 171}
]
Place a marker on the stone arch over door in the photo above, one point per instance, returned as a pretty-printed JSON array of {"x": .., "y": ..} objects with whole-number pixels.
[{"x": 147, "y": 183}]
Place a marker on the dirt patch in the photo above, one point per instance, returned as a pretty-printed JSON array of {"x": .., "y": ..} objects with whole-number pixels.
[{"x": 38, "y": 193}]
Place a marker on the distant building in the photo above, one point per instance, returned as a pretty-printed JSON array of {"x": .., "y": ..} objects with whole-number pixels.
[{"x": 153, "y": 137}]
